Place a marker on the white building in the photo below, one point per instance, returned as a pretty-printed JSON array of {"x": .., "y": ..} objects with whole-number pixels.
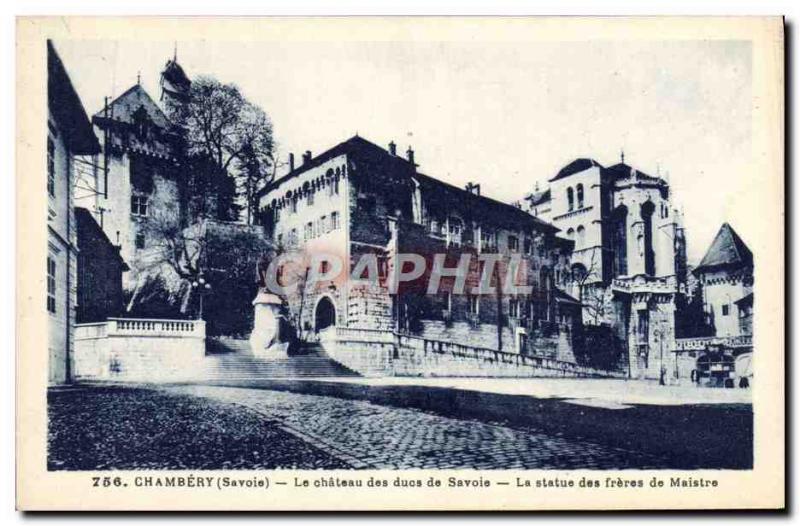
[{"x": 69, "y": 135}]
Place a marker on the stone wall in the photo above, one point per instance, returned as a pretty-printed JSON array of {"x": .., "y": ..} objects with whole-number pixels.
[
  {"x": 384, "y": 353},
  {"x": 134, "y": 350}
]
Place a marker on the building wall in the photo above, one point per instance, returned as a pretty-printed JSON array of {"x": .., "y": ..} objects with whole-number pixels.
[
  {"x": 121, "y": 225},
  {"x": 100, "y": 271},
  {"x": 61, "y": 240},
  {"x": 722, "y": 288}
]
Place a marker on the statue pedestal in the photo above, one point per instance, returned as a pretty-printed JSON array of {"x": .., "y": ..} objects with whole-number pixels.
[{"x": 265, "y": 338}]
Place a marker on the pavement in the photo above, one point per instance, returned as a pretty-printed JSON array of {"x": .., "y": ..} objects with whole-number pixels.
[
  {"x": 611, "y": 393},
  {"x": 367, "y": 435},
  {"x": 461, "y": 423}
]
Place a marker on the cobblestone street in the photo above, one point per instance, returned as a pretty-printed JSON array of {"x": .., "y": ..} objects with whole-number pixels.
[{"x": 366, "y": 435}]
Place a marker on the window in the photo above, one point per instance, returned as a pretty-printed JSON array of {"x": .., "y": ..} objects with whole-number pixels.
[
  {"x": 528, "y": 246},
  {"x": 310, "y": 198},
  {"x": 513, "y": 308},
  {"x": 293, "y": 237},
  {"x": 324, "y": 267},
  {"x": 570, "y": 199},
  {"x": 333, "y": 187},
  {"x": 581, "y": 236},
  {"x": 580, "y": 196},
  {"x": 325, "y": 225},
  {"x": 140, "y": 240},
  {"x": 454, "y": 232},
  {"x": 334, "y": 220},
  {"x": 513, "y": 243},
  {"x": 488, "y": 240},
  {"x": 726, "y": 309},
  {"x": 293, "y": 205},
  {"x": 474, "y": 305},
  {"x": 309, "y": 231},
  {"x": 139, "y": 205},
  {"x": 570, "y": 232},
  {"x": 51, "y": 285},
  {"x": 448, "y": 303},
  {"x": 51, "y": 167}
]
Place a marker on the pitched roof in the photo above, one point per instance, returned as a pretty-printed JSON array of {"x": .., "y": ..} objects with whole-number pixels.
[
  {"x": 85, "y": 221},
  {"x": 576, "y": 166},
  {"x": 449, "y": 197},
  {"x": 124, "y": 106},
  {"x": 66, "y": 107},
  {"x": 352, "y": 145},
  {"x": 727, "y": 249}
]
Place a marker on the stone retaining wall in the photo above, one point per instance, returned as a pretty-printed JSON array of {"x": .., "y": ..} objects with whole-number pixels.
[{"x": 139, "y": 350}]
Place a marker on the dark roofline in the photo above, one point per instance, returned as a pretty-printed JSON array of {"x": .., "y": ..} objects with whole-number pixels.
[
  {"x": 335, "y": 151},
  {"x": 523, "y": 215},
  {"x": 83, "y": 216},
  {"x": 66, "y": 106},
  {"x": 99, "y": 117}
]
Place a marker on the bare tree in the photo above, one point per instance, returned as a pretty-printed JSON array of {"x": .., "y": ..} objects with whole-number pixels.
[{"x": 591, "y": 296}]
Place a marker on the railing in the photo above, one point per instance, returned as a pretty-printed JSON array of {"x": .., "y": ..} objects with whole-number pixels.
[
  {"x": 701, "y": 344},
  {"x": 142, "y": 327}
]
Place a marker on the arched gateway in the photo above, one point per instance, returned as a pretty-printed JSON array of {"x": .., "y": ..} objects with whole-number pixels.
[{"x": 324, "y": 314}]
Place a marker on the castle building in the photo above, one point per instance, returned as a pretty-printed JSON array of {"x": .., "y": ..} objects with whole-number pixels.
[
  {"x": 69, "y": 139},
  {"x": 628, "y": 268},
  {"x": 358, "y": 199},
  {"x": 136, "y": 194}
]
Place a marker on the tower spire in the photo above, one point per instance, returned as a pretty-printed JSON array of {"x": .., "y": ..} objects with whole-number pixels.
[
  {"x": 175, "y": 52},
  {"x": 622, "y": 155}
]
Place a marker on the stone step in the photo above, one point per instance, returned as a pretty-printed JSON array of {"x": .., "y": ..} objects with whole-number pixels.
[{"x": 233, "y": 361}]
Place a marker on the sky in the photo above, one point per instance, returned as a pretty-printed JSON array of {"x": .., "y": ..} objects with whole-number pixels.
[{"x": 503, "y": 114}]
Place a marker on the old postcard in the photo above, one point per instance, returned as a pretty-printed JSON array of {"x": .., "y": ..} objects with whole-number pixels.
[{"x": 400, "y": 263}]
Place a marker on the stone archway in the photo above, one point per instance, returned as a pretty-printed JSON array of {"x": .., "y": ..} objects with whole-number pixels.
[{"x": 324, "y": 314}]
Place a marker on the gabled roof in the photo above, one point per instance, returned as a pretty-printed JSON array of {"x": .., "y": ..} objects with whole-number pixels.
[
  {"x": 66, "y": 107},
  {"x": 727, "y": 250},
  {"x": 124, "y": 106},
  {"x": 576, "y": 166}
]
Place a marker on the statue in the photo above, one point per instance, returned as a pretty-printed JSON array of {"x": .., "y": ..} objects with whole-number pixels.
[{"x": 267, "y": 340}]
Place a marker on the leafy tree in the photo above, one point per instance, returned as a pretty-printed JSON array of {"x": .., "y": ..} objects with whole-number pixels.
[{"x": 229, "y": 146}]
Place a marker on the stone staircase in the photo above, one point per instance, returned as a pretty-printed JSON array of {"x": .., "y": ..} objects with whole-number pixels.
[{"x": 231, "y": 359}]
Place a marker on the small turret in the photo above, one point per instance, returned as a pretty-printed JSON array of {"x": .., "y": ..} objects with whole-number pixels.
[{"x": 175, "y": 85}]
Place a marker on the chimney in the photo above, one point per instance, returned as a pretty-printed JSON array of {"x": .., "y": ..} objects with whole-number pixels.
[
  {"x": 410, "y": 155},
  {"x": 307, "y": 157},
  {"x": 473, "y": 188},
  {"x": 392, "y": 148},
  {"x": 291, "y": 162}
]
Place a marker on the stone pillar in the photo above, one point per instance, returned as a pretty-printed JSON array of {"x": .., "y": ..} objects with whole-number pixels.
[{"x": 265, "y": 340}]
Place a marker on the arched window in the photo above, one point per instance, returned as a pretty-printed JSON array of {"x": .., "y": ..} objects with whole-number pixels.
[
  {"x": 580, "y": 196},
  {"x": 570, "y": 199},
  {"x": 571, "y": 233},
  {"x": 647, "y": 242},
  {"x": 581, "y": 238}
]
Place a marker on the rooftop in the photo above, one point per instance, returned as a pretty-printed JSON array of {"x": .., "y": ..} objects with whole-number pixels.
[{"x": 727, "y": 250}]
